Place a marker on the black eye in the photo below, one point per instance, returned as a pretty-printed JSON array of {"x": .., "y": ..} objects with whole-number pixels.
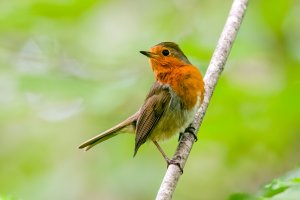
[{"x": 165, "y": 52}]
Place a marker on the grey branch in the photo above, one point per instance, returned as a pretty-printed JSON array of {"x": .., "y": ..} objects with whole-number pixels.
[{"x": 213, "y": 72}]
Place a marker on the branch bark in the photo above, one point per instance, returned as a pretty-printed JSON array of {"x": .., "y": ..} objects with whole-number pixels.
[{"x": 212, "y": 75}]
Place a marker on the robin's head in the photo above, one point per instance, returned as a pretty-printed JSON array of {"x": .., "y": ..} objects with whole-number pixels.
[{"x": 166, "y": 54}]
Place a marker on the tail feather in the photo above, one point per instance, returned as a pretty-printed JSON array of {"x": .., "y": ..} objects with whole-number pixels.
[{"x": 109, "y": 133}]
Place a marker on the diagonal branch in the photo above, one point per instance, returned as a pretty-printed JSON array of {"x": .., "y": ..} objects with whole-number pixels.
[{"x": 213, "y": 72}]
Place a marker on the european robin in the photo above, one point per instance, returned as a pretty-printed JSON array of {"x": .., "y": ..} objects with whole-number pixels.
[{"x": 170, "y": 105}]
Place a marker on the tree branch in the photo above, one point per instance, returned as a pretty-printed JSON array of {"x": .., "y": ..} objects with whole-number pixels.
[{"x": 213, "y": 72}]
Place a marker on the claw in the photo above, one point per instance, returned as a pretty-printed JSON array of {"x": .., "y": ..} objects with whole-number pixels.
[
  {"x": 180, "y": 136},
  {"x": 191, "y": 130},
  {"x": 173, "y": 162}
]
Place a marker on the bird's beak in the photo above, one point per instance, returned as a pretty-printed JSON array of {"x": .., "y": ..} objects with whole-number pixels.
[{"x": 148, "y": 54}]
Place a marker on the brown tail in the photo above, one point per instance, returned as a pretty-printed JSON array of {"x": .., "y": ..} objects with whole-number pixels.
[{"x": 109, "y": 133}]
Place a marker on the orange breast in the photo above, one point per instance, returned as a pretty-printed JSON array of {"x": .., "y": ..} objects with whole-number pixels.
[
  {"x": 187, "y": 89},
  {"x": 187, "y": 82}
]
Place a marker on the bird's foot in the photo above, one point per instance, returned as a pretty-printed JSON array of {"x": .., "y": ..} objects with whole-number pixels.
[
  {"x": 174, "y": 162},
  {"x": 190, "y": 129}
]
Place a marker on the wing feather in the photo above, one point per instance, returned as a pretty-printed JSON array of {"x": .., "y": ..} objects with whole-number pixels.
[{"x": 155, "y": 105}]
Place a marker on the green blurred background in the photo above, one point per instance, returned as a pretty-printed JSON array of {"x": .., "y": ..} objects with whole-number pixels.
[{"x": 71, "y": 69}]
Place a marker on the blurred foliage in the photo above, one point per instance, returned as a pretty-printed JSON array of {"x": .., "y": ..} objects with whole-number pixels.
[
  {"x": 285, "y": 188},
  {"x": 70, "y": 69},
  {"x": 7, "y": 198}
]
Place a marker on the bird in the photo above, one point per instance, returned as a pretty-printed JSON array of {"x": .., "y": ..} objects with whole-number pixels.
[{"x": 169, "y": 107}]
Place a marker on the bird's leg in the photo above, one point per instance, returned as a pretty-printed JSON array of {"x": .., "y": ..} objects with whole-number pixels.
[
  {"x": 161, "y": 151},
  {"x": 190, "y": 129},
  {"x": 169, "y": 162}
]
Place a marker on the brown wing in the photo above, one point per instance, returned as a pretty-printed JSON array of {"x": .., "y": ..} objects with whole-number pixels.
[{"x": 155, "y": 104}]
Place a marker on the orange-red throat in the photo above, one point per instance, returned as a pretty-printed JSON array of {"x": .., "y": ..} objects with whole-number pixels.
[{"x": 171, "y": 66}]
